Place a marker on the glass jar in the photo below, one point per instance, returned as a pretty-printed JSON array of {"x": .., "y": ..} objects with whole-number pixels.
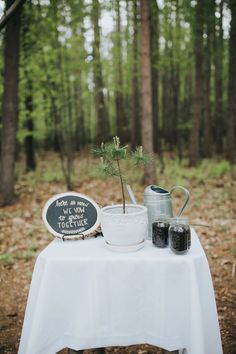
[
  {"x": 179, "y": 235},
  {"x": 160, "y": 227}
]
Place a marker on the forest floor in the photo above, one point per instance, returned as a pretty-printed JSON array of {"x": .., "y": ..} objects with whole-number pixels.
[{"x": 23, "y": 236}]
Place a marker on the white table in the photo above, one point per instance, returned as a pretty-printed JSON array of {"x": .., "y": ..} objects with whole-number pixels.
[{"x": 85, "y": 296}]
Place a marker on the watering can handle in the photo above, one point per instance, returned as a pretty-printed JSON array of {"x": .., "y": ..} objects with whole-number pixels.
[{"x": 187, "y": 196}]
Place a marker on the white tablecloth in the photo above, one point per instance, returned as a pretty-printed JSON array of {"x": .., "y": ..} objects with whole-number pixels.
[{"x": 85, "y": 296}]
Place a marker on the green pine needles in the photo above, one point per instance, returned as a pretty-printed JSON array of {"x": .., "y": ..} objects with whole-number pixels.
[{"x": 111, "y": 155}]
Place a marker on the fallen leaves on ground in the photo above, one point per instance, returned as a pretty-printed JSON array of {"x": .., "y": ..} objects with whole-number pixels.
[{"x": 23, "y": 236}]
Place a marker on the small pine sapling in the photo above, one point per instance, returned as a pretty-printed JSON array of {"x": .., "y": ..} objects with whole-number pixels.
[{"x": 111, "y": 155}]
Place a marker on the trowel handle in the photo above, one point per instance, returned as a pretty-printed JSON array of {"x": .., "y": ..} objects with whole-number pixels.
[{"x": 187, "y": 196}]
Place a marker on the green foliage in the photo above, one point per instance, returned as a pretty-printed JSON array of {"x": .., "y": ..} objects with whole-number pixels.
[
  {"x": 7, "y": 258},
  {"x": 57, "y": 59},
  {"x": 220, "y": 168},
  {"x": 209, "y": 169},
  {"x": 107, "y": 169},
  {"x": 111, "y": 154},
  {"x": 139, "y": 158},
  {"x": 27, "y": 254},
  {"x": 53, "y": 176},
  {"x": 181, "y": 173}
]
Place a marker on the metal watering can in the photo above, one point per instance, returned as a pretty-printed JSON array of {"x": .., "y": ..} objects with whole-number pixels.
[{"x": 159, "y": 203}]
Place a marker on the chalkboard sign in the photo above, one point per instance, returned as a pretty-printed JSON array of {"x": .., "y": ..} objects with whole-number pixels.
[{"x": 71, "y": 214}]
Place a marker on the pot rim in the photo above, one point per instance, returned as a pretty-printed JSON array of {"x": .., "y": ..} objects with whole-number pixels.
[{"x": 142, "y": 208}]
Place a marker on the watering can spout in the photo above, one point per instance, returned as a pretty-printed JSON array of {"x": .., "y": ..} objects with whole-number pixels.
[{"x": 131, "y": 194}]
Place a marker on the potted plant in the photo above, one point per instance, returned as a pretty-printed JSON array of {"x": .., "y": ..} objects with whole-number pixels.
[{"x": 124, "y": 226}]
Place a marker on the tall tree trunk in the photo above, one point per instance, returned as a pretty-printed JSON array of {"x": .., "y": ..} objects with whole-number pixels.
[
  {"x": 136, "y": 129},
  {"x": 187, "y": 110},
  {"x": 29, "y": 124},
  {"x": 121, "y": 124},
  {"x": 165, "y": 105},
  {"x": 232, "y": 85},
  {"x": 78, "y": 86},
  {"x": 55, "y": 86},
  {"x": 154, "y": 30},
  {"x": 147, "y": 131},
  {"x": 54, "y": 139},
  {"x": 197, "y": 101},
  {"x": 128, "y": 66},
  {"x": 10, "y": 106},
  {"x": 69, "y": 123},
  {"x": 167, "y": 80},
  {"x": 63, "y": 111},
  {"x": 176, "y": 86},
  {"x": 80, "y": 131},
  {"x": 101, "y": 112},
  {"x": 177, "y": 110},
  {"x": 218, "y": 56},
  {"x": 207, "y": 134}
]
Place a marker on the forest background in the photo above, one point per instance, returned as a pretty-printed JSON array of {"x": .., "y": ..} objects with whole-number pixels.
[
  {"x": 79, "y": 72},
  {"x": 75, "y": 73}
]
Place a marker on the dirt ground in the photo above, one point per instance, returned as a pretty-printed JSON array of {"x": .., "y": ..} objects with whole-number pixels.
[{"x": 23, "y": 236}]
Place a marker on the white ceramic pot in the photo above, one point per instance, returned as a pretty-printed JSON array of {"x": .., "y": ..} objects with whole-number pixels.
[{"x": 127, "y": 229}]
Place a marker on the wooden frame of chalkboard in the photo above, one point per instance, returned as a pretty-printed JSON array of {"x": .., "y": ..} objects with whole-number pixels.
[{"x": 71, "y": 215}]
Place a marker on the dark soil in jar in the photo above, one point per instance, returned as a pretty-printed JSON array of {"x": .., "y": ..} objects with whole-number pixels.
[
  {"x": 180, "y": 239},
  {"x": 160, "y": 237},
  {"x": 189, "y": 238}
]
